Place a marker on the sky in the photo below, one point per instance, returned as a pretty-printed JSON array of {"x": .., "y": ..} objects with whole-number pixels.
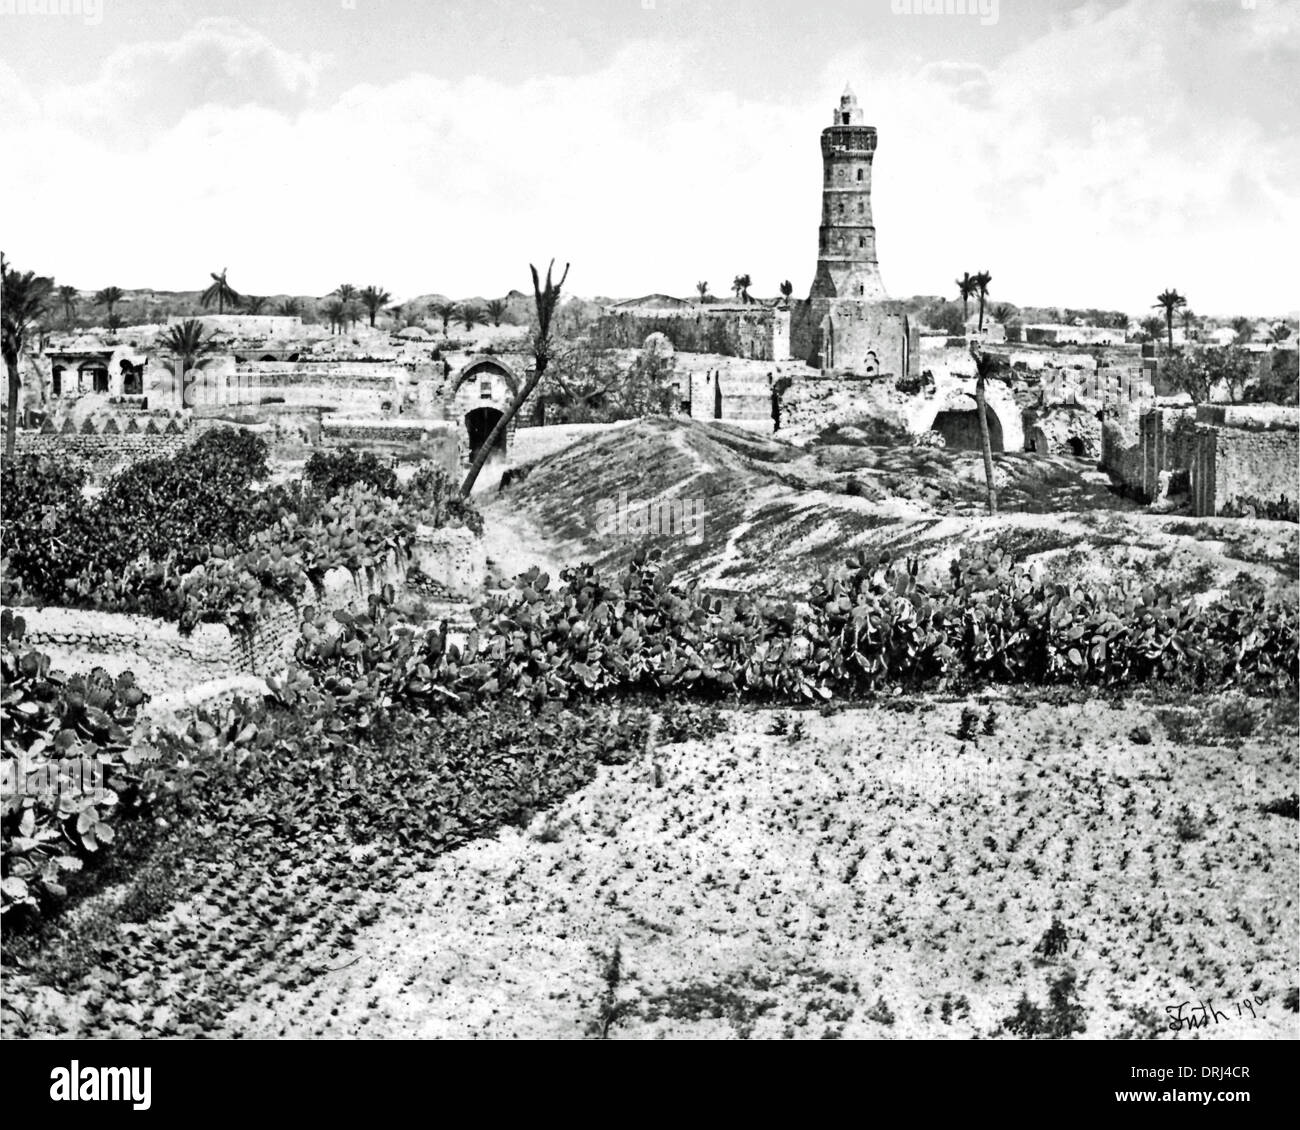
[{"x": 1083, "y": 152}]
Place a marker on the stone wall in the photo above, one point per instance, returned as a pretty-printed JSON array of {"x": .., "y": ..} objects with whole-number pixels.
[
  {"x": 733, "y": 395},
  {"x": 154, "y": 650},
  {"x": 106, "y": 447},
  {"x": 453, "y": 557},
  {"x": 851, "y": 336},
  {"x": 758, "y": 333},
  {"x": 1232, "y": 464},
  {"x": 438, "y": 441},
  {"x": 246, "y": 325}
]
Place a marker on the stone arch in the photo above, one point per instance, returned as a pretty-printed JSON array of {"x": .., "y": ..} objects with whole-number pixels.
[
  {"x": 482, "y": 391},
  {"x": 492, "y": 365},
  {"x": 958, "y": 422}
]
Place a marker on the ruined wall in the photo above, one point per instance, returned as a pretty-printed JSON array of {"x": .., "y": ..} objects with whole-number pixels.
[
  {"x": 862, "y": 338},
  {"x": 733, "y": 395},
  {"x": 1065, "y": 431},
  {"x": 850, "y": 335},
  {"x": 1167, "y": 442},
  {"x": 1259, "y": 462},
  {"x": 414, "y": 439},
  {"x": 78, "y": 640},
  {"x": 758, "y": 333}
]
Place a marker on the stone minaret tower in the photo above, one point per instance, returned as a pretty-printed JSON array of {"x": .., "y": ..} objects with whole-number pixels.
[{"x": 846, "y": 252}]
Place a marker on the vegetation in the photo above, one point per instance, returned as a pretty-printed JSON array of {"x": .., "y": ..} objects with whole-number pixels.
[
  {"x": 190, "y": 351},
  {"x": 444, "y": 312},
  {"x": 109, "y": 297},
  {"x": 1170, "y": 301},
  {"x": 220, "y": 292},
  {"x": 190, "y": 539},
  {"x": 24, "y": 300},
  {"x": 373, "y": 299},
  {"x": 966, "y": 286},
  {"x": 1198, "y": 372}
]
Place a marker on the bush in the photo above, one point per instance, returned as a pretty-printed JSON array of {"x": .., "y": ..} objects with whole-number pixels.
[{"x": 332, "y": 473}]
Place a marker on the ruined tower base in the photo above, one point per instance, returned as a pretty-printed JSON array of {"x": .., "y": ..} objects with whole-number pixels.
[{"x": 851, "y": 336}]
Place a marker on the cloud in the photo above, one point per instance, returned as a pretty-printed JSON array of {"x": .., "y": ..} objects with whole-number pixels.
[
  {"x": 1129, "y": 148},
  {"x": 145, "y": 87}
]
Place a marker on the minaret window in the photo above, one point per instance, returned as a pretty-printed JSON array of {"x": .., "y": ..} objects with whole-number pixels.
[
  {"x": 859, "y": 174},
  {"x": 844, "y": 119},
  {"x": 862, "y": 241}
]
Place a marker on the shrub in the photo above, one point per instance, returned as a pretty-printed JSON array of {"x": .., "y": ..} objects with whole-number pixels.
[{"x": 334, "y": 472}]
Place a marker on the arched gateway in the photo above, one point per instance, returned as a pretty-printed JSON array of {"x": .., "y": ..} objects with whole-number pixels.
[{"x": 482, "y": 391}]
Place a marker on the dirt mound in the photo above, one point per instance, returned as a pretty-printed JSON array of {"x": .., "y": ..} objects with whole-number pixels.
[{"x": 775, "y": 516}]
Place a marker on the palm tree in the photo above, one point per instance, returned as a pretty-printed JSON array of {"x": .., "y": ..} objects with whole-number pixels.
[
  {"x": 335, "y": 312},
  {"x": 254, "y": 304},
  {"x": 740, "y": 287},
  {"x": 1002, "y": 313},
  {"x": 496, "y": 310},
  {"x": 24, "y": 301},
  {"x": 787, "y": 289},
  {"x": 444, "y": 311},
  {"x": 372, "y": 298},
  {"x": 68, "y": 299},
  {"x": 1190, "y": 324},
  {"x": 289, "y": 308},
  {"x": 1171, "y": 300},
  {"x": 982, "y": 281},
  {"x": 1244, "y": 328},
  {"x": 220, "y": 292},
  {"x": 110, "y": 296},
  {"x": 470, "y": 315},
  {"x": 703, "y": 288},
  {"x": 985, "y": 364},
  {"x": 966, "y": 286},
  {"x": 1151, "y": 327},
  {"x": 1279, "y": 332},
  {"x": 190, "y": 351},
  {"x": 546, "y": 300},
  {"x": 346, "y": 293}
]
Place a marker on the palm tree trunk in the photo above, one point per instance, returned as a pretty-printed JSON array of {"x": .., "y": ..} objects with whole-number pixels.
[
  {"x": 986, "y": 444},
  {"x": 11, "y": 423},
  {"x": 1169, "y": 323}
]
